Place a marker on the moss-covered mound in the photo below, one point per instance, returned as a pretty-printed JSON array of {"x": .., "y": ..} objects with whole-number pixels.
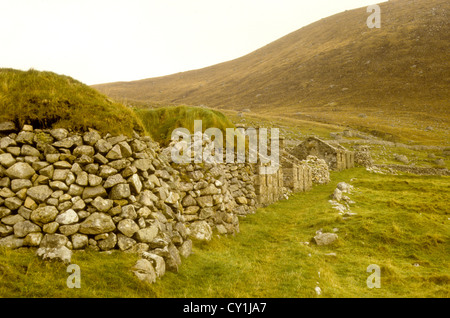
[
  {"x": 49, "y": 100},
  {"x": 160, "y": 122}
]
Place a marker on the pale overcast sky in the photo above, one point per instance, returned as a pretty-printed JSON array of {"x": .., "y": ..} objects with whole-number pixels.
[{"x": 99, "y": 41}]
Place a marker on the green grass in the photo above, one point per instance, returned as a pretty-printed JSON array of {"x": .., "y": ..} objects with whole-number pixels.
[
  {"x": 160, "y": 122},
  {"x": 401, "y": 221},
  {"x": 49, "y": 100}
]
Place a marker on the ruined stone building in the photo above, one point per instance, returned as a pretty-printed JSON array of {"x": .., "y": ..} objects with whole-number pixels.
[{"x": 336, "y": 156}]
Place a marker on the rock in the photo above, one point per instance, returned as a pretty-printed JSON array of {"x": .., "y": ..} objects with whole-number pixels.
[
  {"x": 22, "y": 229},
  {"x": 124, "y": 242},
  {"x": 19, "y": 184},
  {"x": 12, "y": 219},
  {"x": 13, "y": 203},
  {"x": 95, "y": 180},
  {"x": 7, "y": 126},
  {"x": 79, "y": 241},
  {"x": 7, "y": 160},
  {"x": 143, "y": 164},
  {"x": 91, "y": 137},
  {"x": 59, "y": 133},
  {"x": 144, "y": 271},
  {"x": 325, "y": 238},
  {"x": 128, "y": 227},
  {"x": 401, "y": 158},
  {"x": 206, "y": 201},
  {"x": 45, "y": 214},
  {"x": 120, "y": 191},
  {"x": 84, "y": 150},
  {"x": 103, "y": 146},
  {"x": 70, "y": 229},
  {"x": 114, "y": 180},
  {"x": 11, "y": 241},
  {"x": 33, "y": 239},
  {"x": 51, "y": 227},
  {"x": 61, "y": 253},
  {"x": 157, "y": 261},
  {"x": 102, "y": 205},
  {"x": 68, "y": 217},
  {"x": 92, "y": 192},
  {"x": 148, "y": 234},
  {"x": 136, "y": 184},
  {"x": 54, "y": 241},
  {"x": 20, "y": 170},
  {"x": 28, "y": 150},
  {"x": 39, "y": 193},
  {"x": 337, "y": 195},
  {"x": 200, "y": 230},
  {"x": 115, "y": 153},
  {"x": 344, "y": 187},
  {"x": 97, "y": 223},
  {"x": 186, "y": 248},
  {"x": 108, "y": 243}
]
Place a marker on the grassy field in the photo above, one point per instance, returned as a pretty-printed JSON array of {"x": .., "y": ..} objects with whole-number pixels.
[{"x": 402, "y": 225}]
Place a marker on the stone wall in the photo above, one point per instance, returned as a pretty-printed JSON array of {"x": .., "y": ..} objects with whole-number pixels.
[{"x": 62, "y": 191}]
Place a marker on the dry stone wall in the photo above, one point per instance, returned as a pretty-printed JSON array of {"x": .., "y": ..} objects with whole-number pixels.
[{"x": 62, "y": 191}]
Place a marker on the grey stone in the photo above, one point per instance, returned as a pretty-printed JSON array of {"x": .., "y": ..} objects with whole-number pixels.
[
  {"x": 95, "y": 180},
  {"x": 102, "y": 205},
  {"x": 142, "y": 164},
  {"x": 39, "y": 193},
  {"x": 61, "y": 253},
  {"x": 33, "y": 239},
  {"x": 13, "y": 203},
  {"x": 128, "y": 227},
  {"x": 12, "y": 219},
  {"x": 186, "y": 248},
  {"x": 84, "y": 150},
  {"x": 91, "y": 137},
  {"x": 11, "y": 241},
  {"x": 7, "y": 126},
  {"x": 147, "y": 235},
  {"x": 103, "y": 146},
  {"x": 67, "y": 217},
  {"x": 22, "y": 229},
  {"x": 45, "y": 214},
  {"x": 115, "y": 153},
  {"x": 108, "y": 243},
  {"x": 92, "y": 192},
  {"x": 58, "y": 185},
  {"x": 124, "y": 242},
  {"x": 20, "y": 170},
  {"x": 54, "y": 241},
  {"x": 120, "y": 191},
  {"x": 97, "y": 223},
  {"x": 136, "y": 184},
  {"x": 28, "y": 150},
  {"x": 144, "y": 271},
  {"x": 7, "y": 160},
  {"x": 200, "y": 230},
  {"x": 69, "y": 229},
  {"x": 157, "y": 261},
  {"x": 114, "y": 180},
  {"x": 59, "y": 133},
  {"x": 325, "y": 238},
  {"x": 79, "y": 241},
  {"x": 19, "y": 184}
]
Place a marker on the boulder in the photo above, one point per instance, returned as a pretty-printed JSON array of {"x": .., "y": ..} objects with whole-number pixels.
[
  {"x": 325, "y": 238},
  {"x": 22, "y": 229},
  {"x": 39, "y": 193},
  {"x": 144, "y": 271},
  {"x": 97, "y": 223},
  {"x": 200, "y": 230},
  {"x": 61, "y": 253},
  {"x": 45, "y": 214},
  {"x": 20, "y": 170}
]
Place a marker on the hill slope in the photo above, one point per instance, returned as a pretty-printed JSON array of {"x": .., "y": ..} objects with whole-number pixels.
[{"x": 333, "y": 69}]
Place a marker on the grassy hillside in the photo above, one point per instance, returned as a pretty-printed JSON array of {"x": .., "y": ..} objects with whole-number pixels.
[
  {"x": 401, "y": 225},
  {"x": 49, "y": 100},
  {"x": 160, "y": 122},
  {"x": 392, "y": 80}
]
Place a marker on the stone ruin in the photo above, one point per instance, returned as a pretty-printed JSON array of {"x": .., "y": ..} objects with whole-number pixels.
[{"x": 336, "y": 156}]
